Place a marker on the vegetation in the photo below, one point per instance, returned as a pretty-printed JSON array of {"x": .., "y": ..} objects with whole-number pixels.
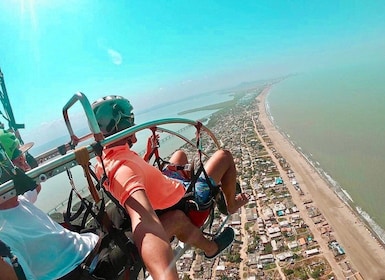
[{"x": 234, "y": 257}]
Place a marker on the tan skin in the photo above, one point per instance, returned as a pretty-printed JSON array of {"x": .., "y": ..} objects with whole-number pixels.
[
  {"x": 7, "y": 272},
  {"x": 149, "y": 234},
  {"x": 150, "y": 237}
]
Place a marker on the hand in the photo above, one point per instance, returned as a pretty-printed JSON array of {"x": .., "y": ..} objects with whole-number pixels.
[
  {"x": 152, "y": 145},
  {"x": 152, "y": 142}
]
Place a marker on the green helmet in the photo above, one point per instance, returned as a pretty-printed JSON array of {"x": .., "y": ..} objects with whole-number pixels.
[
  {"x": 10, "y": 144},
  {"x": 113, "y": 114},
  {"x": 8, "y": 150}
]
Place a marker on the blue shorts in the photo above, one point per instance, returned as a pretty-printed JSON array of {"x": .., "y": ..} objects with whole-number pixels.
[{"x": 202, "y": 188}]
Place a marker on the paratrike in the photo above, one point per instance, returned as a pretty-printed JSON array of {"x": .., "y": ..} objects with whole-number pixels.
[{"x": 81, "y": 150}]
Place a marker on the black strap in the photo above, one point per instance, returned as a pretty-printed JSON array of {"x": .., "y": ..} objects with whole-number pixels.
[
  {"x": 5, "y": 251},
  {"x": 116, "y": 234},
  {"x": 22, "y": 181},
  {"x": 85, "y": 204}
]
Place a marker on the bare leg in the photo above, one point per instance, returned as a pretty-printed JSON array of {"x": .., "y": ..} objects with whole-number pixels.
[
  {"x": 180, "y": 158},
  {"x": 150, "y": 237},
  {"x": 221, "y": 168},
  {"x": 176, "y": 223}
]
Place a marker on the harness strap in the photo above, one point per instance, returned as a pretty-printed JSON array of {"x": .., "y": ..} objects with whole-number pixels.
[
  {"x": 68, "y": 218},
  {"x": 82, "y": 157},
  {"x": 116, "y": 234},
  {"x": 109, "y": 233},
  {"x": 22, "y": 181},
  {"x": 214, "y": 190},
  {"x": 155, "y": 150}
]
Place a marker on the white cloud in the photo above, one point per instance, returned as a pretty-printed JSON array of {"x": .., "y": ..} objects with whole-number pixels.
[
  {"x": 186, "y": 82},
  {"x": 115, "y": 56}
]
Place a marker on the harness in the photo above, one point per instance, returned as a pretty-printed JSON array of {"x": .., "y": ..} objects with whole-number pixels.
[{"x": 112, "y": 234}]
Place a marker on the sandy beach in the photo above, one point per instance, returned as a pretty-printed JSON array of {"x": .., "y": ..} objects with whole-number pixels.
[{"x": 363, "y": 251}]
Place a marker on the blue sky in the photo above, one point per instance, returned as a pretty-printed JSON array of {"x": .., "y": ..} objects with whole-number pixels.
[{"x": 165, "y": 49}]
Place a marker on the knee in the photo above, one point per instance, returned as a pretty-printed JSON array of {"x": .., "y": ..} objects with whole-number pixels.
[
  {"x": 179, "y": 215},
  {"x": 179, "y": 157},
  {"x": 225, "y": 154},
  {"x": 176, "y": 217}
]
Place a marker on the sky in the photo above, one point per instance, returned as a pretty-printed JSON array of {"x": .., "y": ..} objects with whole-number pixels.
[{"x": 152, "y": 51}]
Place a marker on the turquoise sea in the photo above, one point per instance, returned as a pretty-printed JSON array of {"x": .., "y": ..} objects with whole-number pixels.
[{"x": 336, "y": 117}]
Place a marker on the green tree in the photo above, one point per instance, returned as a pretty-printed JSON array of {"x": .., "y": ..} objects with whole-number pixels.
[{"x": 186, "y": 277}]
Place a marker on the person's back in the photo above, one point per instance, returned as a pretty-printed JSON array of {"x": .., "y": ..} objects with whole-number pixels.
[
  {"x": 124, "y": 165},
  {"x": 45, "y": 249}
]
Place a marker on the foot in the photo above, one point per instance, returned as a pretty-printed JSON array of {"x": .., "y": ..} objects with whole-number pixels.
[
  {"x": 223, "y": 241},
  {"x": 240, "y": 200}
]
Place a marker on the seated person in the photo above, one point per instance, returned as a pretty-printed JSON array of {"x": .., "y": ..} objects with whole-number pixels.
[
  {"x": 46, "y": 250},
  {"x": 17, "y": 154},
  {"x": 11, "y": 136},
  {"x": 128, "y": 173}
]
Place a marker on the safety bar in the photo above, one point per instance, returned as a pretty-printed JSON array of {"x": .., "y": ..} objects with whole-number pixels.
[
  {"x": 74, "y": 139},
  {"x": 60, "y": 164},
  {"x": 92, "y": 122}
]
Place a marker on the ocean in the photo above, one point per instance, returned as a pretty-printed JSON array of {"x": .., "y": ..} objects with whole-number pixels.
[{"x": 336, "y": 118}]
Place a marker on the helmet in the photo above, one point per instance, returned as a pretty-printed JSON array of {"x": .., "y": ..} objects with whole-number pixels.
[
  {"x": 8, "y": 150},
  {"x": 113, "y": 114},
  {"x": 10, "y": 144}
]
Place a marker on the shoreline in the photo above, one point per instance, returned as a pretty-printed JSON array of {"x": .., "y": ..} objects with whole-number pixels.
[
  {"x": 343, "y": 195},
  {"x": 361, "y": 245}
]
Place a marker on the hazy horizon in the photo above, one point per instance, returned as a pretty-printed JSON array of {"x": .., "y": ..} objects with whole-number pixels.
[{"x": 156, "y": 51}]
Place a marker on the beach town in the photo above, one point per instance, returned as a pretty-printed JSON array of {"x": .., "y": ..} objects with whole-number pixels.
[{"x": 295, "y": 226}]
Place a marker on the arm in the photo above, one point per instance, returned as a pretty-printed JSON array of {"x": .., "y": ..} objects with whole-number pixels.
[
  {"x": 7, "y": 272},
  {"x": 150, "y": 237}
]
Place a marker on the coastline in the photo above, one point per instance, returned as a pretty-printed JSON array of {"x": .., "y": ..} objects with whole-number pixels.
[
  {"x": 217, "y": 106},
  {"x": 377, "y": 231},
  {"x": 362, "y": 247}
]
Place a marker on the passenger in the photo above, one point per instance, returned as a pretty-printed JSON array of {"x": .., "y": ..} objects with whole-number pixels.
[
  {"x": 16, "y": 153},
  {"x": 45, "y": 250},
  {"x": 9, "y": 135},
  {"x": 130, "y": 176}
]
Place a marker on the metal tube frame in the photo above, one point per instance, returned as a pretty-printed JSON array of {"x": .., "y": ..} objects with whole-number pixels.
[{"x": 57, "y": 165}]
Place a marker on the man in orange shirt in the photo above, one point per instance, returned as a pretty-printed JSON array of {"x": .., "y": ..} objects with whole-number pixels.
[{"x": 129, "y": 175}]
